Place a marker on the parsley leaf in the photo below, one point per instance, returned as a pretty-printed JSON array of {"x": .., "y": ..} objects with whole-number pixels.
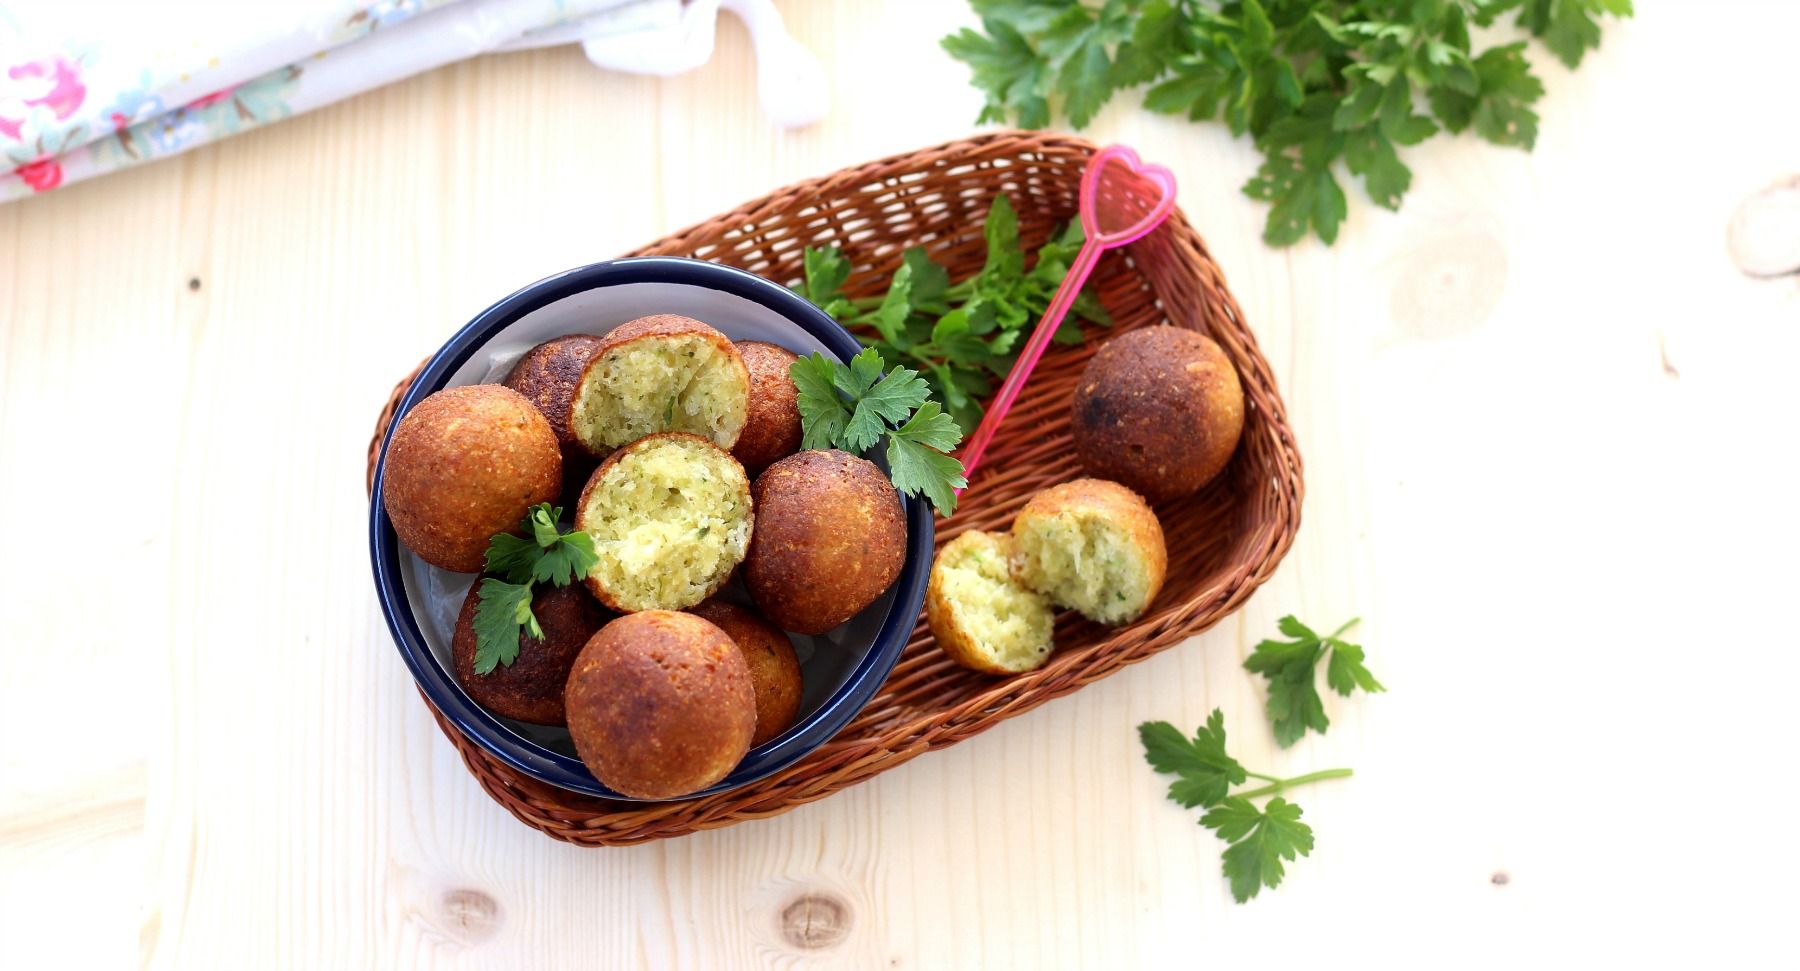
[
  {"x": 541, "y": 519},
  {"x": 917, "y": 458},
  {"x": 891, "y": 400},
  {"x": 930, "y": 427},
  {"x": 1294, "y": 703},
  {"x": 890, "y": 318},
  {"x": 1153, "y": 41},
  {"x": 826, "y": 271},
  {"x": 895, "y": 405},
  {"x": 1260, "y": 839},
  {"x": 1008, "y": 69},
  {"x": 1361, "y": 66},
  {"x": 927, "y": 281},
  {"x": 1370, "y": 154},
  {"x": 548, "y": 555},
  {"x": 567, "y": 560},
  {"x": 1346, "y": 672},
  {"x": 1567, "y": 27},
  {"x": 1303, "y": 195},
  {"x": 822, "y": 413},
  {"x": 1077, "y": 40},
  {"x": 1207, "y": 773},
  {"x": 504, "y": 608},
  {"x": 563, "y": 557},
  {"x": 512, "y": 557},
  {"x": 1001, "y": 230}
]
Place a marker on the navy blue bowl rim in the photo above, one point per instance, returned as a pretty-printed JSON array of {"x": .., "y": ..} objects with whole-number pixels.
[{"x": 484, "y": 728}]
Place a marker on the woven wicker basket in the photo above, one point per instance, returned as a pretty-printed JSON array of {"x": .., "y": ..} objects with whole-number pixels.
[{"x": 1225, "y": 541}]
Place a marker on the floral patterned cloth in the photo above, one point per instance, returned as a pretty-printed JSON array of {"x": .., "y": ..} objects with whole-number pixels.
[{"x": 82, "y": 95}]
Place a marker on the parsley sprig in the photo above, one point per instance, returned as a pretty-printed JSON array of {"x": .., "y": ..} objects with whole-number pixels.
[
  {"x": 544, "y": 555},
  {"x": 853, "y": 406},
  {"x": 1262, "y": 840},
  {"x": 1311, "y": 81},
  {"x": 1294, "y": 702},
  {"x": 960, "y": 335}
]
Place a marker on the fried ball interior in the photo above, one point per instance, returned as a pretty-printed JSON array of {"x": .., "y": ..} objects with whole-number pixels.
[
  {"x": 982, "y": 616},
  {"x": 1084, "y": 559},
  {"x": 668, "y": 382},
  {"x": 670, "y": 517}
]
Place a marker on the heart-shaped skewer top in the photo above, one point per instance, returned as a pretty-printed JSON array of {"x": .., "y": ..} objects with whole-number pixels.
[{"x": 1122, "y": 199}]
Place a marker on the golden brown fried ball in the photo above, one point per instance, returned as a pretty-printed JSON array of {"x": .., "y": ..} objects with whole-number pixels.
[{"x": 464, "y": 464}]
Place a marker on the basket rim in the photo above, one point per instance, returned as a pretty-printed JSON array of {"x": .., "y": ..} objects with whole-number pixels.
[{"x": 485, "y": 730}]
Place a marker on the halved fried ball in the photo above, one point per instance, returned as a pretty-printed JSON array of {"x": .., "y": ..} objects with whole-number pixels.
[
  {"x": 830, "y": 538},
  {"x": 547, "y": 376},
  {"x": 1091, "y": 545},
  {"x": 774, "y": 668},
  {"x": 772, "y": 430},
  {"x": 465, "y": 464},
  {"x": 531, "y": 688},
  {"x": 660, "y": 704},
  {"x": 660, "y": 374},
  {"x": 670, "y": 515},
  {"x": 1159, "y": 410},
  {"x": 981, "y": 616}
]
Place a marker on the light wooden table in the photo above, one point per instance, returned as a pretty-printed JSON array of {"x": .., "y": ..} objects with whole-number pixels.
[{"x": 1550, "y": 436}]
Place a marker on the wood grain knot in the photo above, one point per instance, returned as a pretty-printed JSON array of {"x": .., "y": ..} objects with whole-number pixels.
[
  {"x": 1449, "y": 284},
  {"x": 815, "y": 921},
  {"x": 471, "y": 915},
  {"x": 1764, "y": 232}
]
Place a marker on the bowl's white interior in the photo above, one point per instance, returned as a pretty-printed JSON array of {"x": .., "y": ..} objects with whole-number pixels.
[{"x": 436, "y": 596}]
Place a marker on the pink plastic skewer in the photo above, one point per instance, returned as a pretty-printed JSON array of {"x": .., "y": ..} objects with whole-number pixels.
[{"x": 1097, "y": 242}]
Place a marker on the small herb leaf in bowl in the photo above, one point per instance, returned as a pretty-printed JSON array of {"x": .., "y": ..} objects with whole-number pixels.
[
  {"x": 545, "y": 554},
  {"x": 504, "y": 609}
]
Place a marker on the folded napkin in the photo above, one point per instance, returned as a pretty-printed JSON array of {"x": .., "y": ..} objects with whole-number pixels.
[{"x": 82, "y": 95}]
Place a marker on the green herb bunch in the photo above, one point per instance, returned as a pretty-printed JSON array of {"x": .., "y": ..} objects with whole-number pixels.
[
  {"x": 958, "y": 336},
  {"x": 1311, "y": 81}
]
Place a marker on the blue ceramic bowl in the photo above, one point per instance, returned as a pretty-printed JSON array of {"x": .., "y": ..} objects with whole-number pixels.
[{"x": 843, "y": 669}]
